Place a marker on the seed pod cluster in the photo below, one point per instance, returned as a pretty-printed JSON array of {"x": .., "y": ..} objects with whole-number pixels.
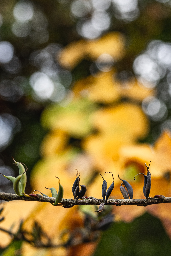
[
  {"x": 106, "y": 194},
  {"x": 147, "y": 182},
  {"x": 126, "y": 189},
  {"x": 77, "y": 192}
]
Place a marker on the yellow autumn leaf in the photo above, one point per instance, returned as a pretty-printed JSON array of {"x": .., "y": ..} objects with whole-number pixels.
[
  {"x": 53, "y": 143},
  {"x": 49, "y": 217},
  {"x": 137, "y": 155},
  {"x": 162, "y": 148},
  {"x": 104, "y": 87},
  {"x": 100, "y": 88},
  {"x": 29, "y": 250},
  {"x": 159, "y": 155},
  {"x": 72, "y": 54},
  {"x": 104, "y": 148},
  {"x": 126, "y": 119},
  {"x": 135, "y": 90},
  {"x": 14, "y": 212},
  {"x": 112, "y": 43},
  {"x": 44, "y": 172}
]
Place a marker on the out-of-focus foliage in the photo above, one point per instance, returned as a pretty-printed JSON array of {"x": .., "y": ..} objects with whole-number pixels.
[
  {"x": 150, "y": 233},
  {"x": 97, "y": 75}
]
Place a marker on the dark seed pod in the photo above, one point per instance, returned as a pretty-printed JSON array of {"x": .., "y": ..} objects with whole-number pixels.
[
  {"x": 147, "y": 182},
  {"x": 75, "y": 187},
  {"x": 82, "y": 192},
  {"x": 128, "y": 187},
  {"x": 109, "y": 191},
  {"x": 124, "y": 192},
  {"x": 104, "y": 187},
  {"x": 77, "y": 193},
  {"x": 147, "y": 185}
]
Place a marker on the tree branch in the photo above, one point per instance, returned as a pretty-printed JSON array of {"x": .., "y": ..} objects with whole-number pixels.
[{"x": 86, "y": 201}]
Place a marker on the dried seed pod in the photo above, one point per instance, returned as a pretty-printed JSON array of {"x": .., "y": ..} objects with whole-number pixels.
[
  {"x": 147, "y": 182},
  {"x": 16, "y": 183},
  {"x": 77, "y": 193},
  {"x": 124, "y": 192},
  {"x": 82, "y": 192},
  {"x": 58, "y": 196},
  {"x": 75, "y": 187},
  {"x": 109, "y": 191},
  {"x": 19, "y": 183},
  {"x": 23, "y": 180},
  {"x": 104, "y": 187},
  {"x": 53, "y": 191},
  {"x": 128, "y": 188}
]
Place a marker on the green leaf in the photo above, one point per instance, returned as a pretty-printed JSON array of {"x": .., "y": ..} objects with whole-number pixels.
[{"x": 144, "y": 236}]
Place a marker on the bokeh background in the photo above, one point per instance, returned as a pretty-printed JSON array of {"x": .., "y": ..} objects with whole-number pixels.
[{"x": 85, "y": 86}]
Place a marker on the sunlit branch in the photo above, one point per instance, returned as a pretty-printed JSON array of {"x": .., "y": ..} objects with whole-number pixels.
[{"x": 86, "y": 201}]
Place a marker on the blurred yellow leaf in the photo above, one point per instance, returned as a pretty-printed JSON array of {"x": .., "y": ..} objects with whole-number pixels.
[
  {"x": 162, "y": 148},
  {"x": 112, "y": 43},
  {"x": 104, "y": 148},
  {"x": 137, "y": 155},
  {"x": 29, "y": 250},
  {"x": 126, "y": 120},
  {"x": 105, "y": 88},
  {"x": 14, "y": 212},
  {"x": 44, "y": 172},
  {"x": 49, "y": 217},
  {"x": 53, "y": 143},
  {"x": 72, "y": 54},
  {"x": 159, "y": 155},
  {"x": 100, "y": 88},
  {"x": 135, "y": 90}
]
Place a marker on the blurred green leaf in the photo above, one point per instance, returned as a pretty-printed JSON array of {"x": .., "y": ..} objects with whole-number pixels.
[{"x": 144, "y": 236}]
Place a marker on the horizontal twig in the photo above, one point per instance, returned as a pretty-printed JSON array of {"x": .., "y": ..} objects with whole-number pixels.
[{"x": 86, "y": 201}]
